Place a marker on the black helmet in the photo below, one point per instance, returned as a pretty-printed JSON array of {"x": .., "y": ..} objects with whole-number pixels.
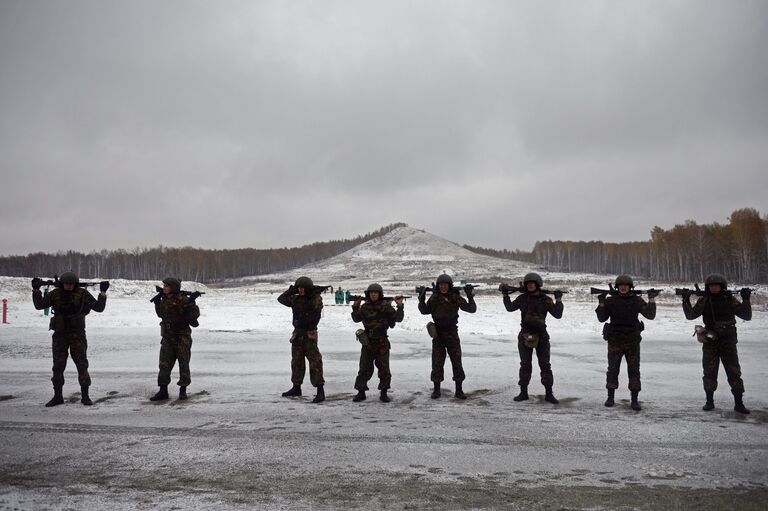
[
  {"x": 533, "y": 277},
  {"x": 374, "y": 287},
  {"x": 69, "y": 277},
  {"x": 445, "y": 279},
  {"x": 174, "y": 283},
  {"x": 304, "y": 282},
  {"x": 716, "y": 278},
  {"x": 624, "y": 279}
]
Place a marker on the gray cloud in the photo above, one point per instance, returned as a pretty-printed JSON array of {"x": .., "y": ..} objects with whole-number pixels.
[{"x": 277, "y": 123}]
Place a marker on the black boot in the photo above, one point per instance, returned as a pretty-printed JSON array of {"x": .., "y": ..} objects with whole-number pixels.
[
  {"x": 320, "y": 397},
  {"x": 84, "y": 397},
  {"x": 384, "y": 397},
  {"x": 633, "y": 403},
  {"x": 57, "y": 398},
  {"x": 182, "y": 392},
  {"x": 710, "y": 404},
  {"x": 609, "y": 402},
  {"x": 739, "y": 404},
  {"x": 294, "y": 392},
  {"x": 523, "y": 395},
  {"x": 459, "y": 394},
  {"x": 161, "y": 395},
  {"x": 549, "y": 397},
  {"x": 359, "y": 397},
  {"x": 436, "y": 392}
]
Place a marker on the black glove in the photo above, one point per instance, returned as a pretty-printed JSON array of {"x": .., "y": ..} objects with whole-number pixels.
[
  {"x": 745, "y": 293},
  {"x": 103, "y": 286},
  {"x": 468, "y": 290},
  {"x": 558, "y": 294},
  {"x": 601, "y": 298},
  {"x": 292, "y": 289},
  {"x": 653, "y": 293},
  {"x": 36, "y": 283},
  {"x": 423, "y": 295}
]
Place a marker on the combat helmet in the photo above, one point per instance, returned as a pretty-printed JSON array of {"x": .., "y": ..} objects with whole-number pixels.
[
  {"x": 69, "y": 277},
  {"x": 624, "y": 279},
  {"x": 445, "y": 279},
  {"x": 716, "y": 278},
  {"x": 374, "y": 287},
  {"x": 174, "y": 283},
  {"x": 533, "y": 277},
  {"x": 304, "y": 282}
]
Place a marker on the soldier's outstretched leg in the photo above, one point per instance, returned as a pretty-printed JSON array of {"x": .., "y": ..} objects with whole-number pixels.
[
  {"x": 161, "y": 395},
  {"x": 57, "y": 398},
  {"x": 526, "y": 368}
]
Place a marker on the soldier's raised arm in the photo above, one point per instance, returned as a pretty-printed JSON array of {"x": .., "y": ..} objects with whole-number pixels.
[
  {"x": 287, "y": 297},
  {"x": 555, "y": 307},
  {"x": 693, "y": 312},
  {"x": 647, "y": 309},
  {"x": 41, "y": 302},
  {"x": 743, "y": 309}
]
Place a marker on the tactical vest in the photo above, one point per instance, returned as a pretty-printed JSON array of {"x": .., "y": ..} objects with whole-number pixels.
[
  {"x": 376, "y": 318},
  {"x": 533, "y": 313},
  {"x": 69, "y": 310},
  {"x": 306, "y": 311},
  {"x": 172, "y": 314},
  {"x": 624, "y": 311},
  {"x": 445, "y": 310},
  {"x": 718, "y": 311}
]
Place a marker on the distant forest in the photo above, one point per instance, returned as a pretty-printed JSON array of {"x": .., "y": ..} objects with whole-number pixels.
[
  {"x": 687, "y": 252},
  {"x": 187, "y": 263}
]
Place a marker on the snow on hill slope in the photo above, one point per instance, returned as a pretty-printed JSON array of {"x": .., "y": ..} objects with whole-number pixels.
[{"x": 407, "y": 255}]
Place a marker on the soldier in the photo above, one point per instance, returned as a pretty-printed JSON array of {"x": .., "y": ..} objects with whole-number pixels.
[
  {"x": 177, "y": 312},
  {"x": 534, "y": 306},
  {"x": 70, "y": 303},
  {"x": 377, "y": 316},
  {"x": 307, "y": 306},
  {"x": 719, "y": 309},
  {"x": 444, "y": 305},
  {"x": 623, "y": 334}
]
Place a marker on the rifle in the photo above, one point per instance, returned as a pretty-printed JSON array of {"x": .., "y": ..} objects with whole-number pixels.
[
  {"x": 426, "y": 289},
  {"x": 697, "y": 291},
  {"x": 613, "y": 291},
  {"x": 57, "y": 283},
  {"x": 355, "y": 298},
  {"x": 434, "y": 289},
  {"x": 192, "y": 295},
  {"x": 520, "y": 288},
  {"x": 316, "y": 290}
]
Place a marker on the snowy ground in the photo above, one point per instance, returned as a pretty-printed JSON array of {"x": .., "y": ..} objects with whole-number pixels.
[{"x": 237, "y": 444}]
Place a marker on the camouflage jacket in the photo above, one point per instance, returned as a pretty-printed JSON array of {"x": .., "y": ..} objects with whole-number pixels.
[
  {"x": 307, "y": 309},
  {"x": 719, "y": 311},
  {"x": 69, "y": 307},
  {"x": 176, "y": 312},
  {"x": 445, "y": 308},
  {"x": 377, "y": 317},
  {"x": 533, "y": 311}
]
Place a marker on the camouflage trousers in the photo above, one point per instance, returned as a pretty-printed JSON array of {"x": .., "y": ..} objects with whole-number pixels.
[
  {"x": 723, "y": 349},
  {"x": 446, "y": 344},
  {"x": 65, "y": 344},
  {"x": 178, "y": 347},
  {"x": 375, "y": 353},
  {"x": 526, "y": 363},
  {"x": 630, "y": 350},
  {"x": 304, "y": 345}
]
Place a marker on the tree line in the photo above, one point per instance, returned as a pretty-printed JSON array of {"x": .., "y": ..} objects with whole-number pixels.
[
  {"x": 687, "y": 252},
  {"x": 186, "y": 263}
]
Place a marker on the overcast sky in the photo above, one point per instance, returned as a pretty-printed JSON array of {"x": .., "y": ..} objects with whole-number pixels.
[{"x": 261, "y": 124}]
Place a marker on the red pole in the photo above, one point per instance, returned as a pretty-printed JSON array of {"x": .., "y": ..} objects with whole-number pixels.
[{"x": 5, "y": 311}]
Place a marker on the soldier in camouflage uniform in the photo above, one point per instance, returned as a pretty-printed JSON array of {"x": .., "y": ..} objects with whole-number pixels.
[
  {"x": 177, "y": 312},
  {"x": 719, "y": 309},
  {"x": 534, "y": 307},
  {"x": 444, "y": 305},
  {"x": 70, "y": 303},
  {"x": 307, "y": 306},
  {"x": 623, "y": 334},
  {"x": 377, "y": 316}
]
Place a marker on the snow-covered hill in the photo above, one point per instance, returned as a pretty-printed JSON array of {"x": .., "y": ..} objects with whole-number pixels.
[{"x": 406, "y": 255}]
